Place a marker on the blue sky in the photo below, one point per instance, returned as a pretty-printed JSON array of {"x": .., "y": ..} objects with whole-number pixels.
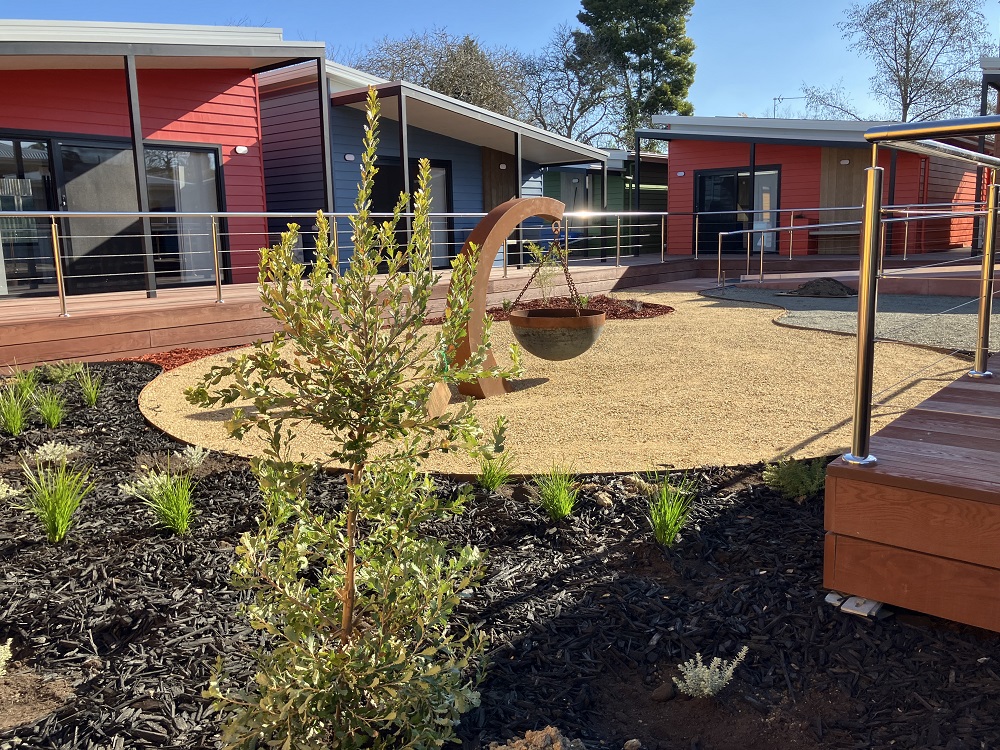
[{"x": 747, "y": 53}]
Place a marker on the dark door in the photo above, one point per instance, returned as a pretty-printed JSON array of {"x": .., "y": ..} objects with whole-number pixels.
[
  {"x": 717, "y": 202},
  {"x": 101, "y": 254}
]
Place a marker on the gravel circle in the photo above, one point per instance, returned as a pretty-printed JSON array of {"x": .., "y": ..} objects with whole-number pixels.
[{"x": 713, "y": 383}]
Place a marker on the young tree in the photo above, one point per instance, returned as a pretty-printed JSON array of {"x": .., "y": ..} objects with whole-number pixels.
[
  {"x": 647, "y": 50},
  {"x": 357, "y": 603},
  {"x": 568, "y": 89},
  {"x": 459, "y": 67},
  {"x": 926, "y": 57}
]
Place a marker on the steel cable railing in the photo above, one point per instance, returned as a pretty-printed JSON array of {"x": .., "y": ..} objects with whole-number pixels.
[{"x": 66, "y": 253}]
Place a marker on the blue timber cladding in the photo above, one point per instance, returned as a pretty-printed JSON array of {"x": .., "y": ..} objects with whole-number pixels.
[{"x": 291, "y": 144}]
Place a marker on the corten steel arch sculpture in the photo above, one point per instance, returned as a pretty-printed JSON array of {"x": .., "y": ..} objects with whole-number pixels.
[{"x": 490, "y": 234}]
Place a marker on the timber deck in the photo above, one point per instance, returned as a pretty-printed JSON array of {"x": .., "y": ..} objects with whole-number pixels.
[
  {"x": 921, "y": 528},
  {"x": 124, "y": 324}
]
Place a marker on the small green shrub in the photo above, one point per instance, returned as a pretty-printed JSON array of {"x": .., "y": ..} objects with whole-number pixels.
[
  {"x": 13, "y": 413},
  {"x": 796, "y": 480},
  {"x": 168, "y": 495},
  {"x": 60, "y": 372},
  {"x": 53, "y": 494},
  {"x": 556, "y": 492},
  {"x": 90, "y": 386},
  {"x": 507, "y": 305},
  {"x": 192, "y": 457},
  {"x": 364, "y": 646},
  {"x": 701, "y": 680},
  {"x": 54, "y": 452},
  {"x": 4, "y": 656},
  {"x": 548, "y": 262},
  {"x": 51, "y": 407},
  {"x": 670, "y": 508},
  {"x": 7, "y": 491}
]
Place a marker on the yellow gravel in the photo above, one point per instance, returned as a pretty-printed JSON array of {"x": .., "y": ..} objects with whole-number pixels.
[{"x": 715, "y": 382}]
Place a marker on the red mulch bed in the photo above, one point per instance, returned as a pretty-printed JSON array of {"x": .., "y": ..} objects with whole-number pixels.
[
  {"x": 177, "y": 357},
  {"x": 613, "y": 309}
]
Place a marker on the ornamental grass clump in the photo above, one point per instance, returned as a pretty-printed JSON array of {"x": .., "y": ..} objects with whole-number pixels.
[
  {"x": 168, "y": 494},
  {"x": 363, "y": 649},
  {"x": 701, "y": 680},
  {"x": 13, "y": 411},
  {"x": 25, "y": 384},
  {"x": 90, "y": 386},
  {"x": 495, "y": 466},
  {"x": 53, "y": 493},
  {"x": 51, "y": 407},
  {"x": 796, "y": 480},
  {"x": 670, "y": 508},
  {"x": 556, "y": 491}
]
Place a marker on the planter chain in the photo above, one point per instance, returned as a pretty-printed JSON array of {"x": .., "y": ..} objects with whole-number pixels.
[{"x": 555, "y": 247}]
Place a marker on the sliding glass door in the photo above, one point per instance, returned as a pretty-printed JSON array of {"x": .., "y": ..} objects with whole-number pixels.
[
  {"x": 27, "y": 264},
  {"x": 724, "y": 204},
  {"x": 103, "y": 253},
  {"x": 182, "y": 181}
]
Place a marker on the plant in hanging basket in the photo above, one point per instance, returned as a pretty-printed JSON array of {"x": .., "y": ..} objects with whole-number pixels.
[{"x": 555, "y": 333}]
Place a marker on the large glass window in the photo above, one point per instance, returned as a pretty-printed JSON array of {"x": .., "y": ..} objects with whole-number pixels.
[
  {"x": 26, "y": 262},
  {"x": 182, "y": 181}
]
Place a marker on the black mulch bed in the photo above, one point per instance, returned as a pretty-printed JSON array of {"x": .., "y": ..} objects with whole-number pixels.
[{"x": 587, "y": 617}]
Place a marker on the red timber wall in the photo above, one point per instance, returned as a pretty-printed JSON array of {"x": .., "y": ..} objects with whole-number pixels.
[
  {"x": 799, "y": 186},
  {"x": 211, "y": 107},
  {"x": 919, "y": 180}
]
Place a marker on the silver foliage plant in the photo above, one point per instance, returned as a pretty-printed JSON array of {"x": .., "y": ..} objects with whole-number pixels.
[
  {"x": 700, "y": 680},
  {"x": 357, "y": 605}
]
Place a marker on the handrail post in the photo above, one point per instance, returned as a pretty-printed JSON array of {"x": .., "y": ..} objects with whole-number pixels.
[
  {"x": 979, "y": 371},
  {"x": 871, "y": 224},
  {"x": 697, "y": 222},
  {"x": 215, "y": 260},
  {"x": 906, "y": 236},
  {"x": 761, "y": 279},
  {"x": 718, "y": 277},
  {"x": 60, "y": 281},
  {"x": 618, "y": 242},
  {"x": 336, "y": 242},
  {"x": 791, "y": 233},
  {"x": 663, "y": 237},
  {"x": 503, "y": 253},
  {"x": 749, "y": 239}
]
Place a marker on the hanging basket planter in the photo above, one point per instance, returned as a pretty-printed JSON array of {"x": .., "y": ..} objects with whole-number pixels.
[{"x": 557, "y": 333}]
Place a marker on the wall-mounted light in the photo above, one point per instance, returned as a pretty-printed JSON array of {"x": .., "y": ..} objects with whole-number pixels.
[
  {"x": 845, "y": 162},
  {"x": 241, "y": 150},
  {"x": 681, "y": 174},
  {"x": 348, "y": 157},
  {"x": 503, "y": 166},
  {"x": 575, "y": 180}
]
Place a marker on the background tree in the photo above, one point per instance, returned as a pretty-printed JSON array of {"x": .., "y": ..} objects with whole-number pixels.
[
  {"x": 646, "y": 48},
  {"x": 926, "y": 56},
  {"x": 457, "y": 66},
  {"x": 568, "y": 89}
]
